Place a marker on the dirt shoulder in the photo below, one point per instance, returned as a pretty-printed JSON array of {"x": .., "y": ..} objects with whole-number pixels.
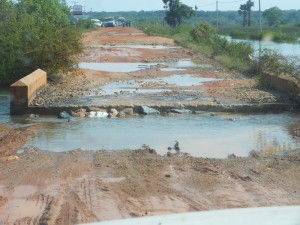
[
  {"x": 11, "y": 140},
  {"x": 81, "y": 186},
  {"x": 41, "y": 187}
]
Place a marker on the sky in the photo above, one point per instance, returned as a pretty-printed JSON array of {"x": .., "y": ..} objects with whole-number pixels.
[{"x": 206, "y": 5}]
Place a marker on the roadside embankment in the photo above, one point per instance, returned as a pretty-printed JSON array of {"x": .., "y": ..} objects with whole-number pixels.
[
  {"x": 286, "y": 84},
  {"x": 24, "y": 90}
]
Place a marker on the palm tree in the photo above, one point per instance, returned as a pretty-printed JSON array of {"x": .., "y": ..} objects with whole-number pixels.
[
  {"x": 249, "y": 5},
  {"x": 243, "y": 11}
]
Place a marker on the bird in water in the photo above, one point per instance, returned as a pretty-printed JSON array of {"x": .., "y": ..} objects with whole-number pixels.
[{"x": 176, "y": 147}]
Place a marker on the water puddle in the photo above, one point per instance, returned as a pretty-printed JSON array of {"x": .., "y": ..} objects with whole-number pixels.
[
  {"x": 116, "y": 67},
  {"x": 198, "y": 134},
  {"x": 4, "y": 106},
  {"x": 183, "y": 63},
  {"x": 158, "y": 47},
  {"x": 131, "y": 67},
  {"x": 183, "y": 80},
  {"x": 152, "y": 85},
  {"x": 171, "y": 69}
]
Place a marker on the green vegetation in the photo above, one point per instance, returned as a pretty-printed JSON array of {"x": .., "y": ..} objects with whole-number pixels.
[
  {"x": 273, "y": 16},
  {"x": 226, "y": 18},
  {"x": 230, "y": 22},
  {"x": 274, "y": 63},
  {"x": 204, "y": 37},
  {"x": 176, "y": 12},
  {"x": 245, "y": 10},
  {"x": 36, "y": 34},
  {"x": 272, "y": 35}
]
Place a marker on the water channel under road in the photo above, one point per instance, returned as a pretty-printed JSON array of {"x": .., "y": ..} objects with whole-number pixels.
[{"x": 199, "y": 134}]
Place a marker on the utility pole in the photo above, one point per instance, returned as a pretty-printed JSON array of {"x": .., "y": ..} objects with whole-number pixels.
[
  {"x": 260, "y": 27},
  {"x": 84, "y": 7},
  {"x": 217, "y": 10}
]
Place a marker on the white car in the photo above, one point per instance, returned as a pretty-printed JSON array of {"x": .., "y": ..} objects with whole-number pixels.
[{"x": 96, "y": 23}]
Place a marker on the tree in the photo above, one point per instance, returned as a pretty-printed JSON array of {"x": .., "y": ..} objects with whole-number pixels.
[
  {"x": 245, "y": 10},
  {"x": 177, "y": 12},
  {"x": 37, "y": 34},
  {"x": 273, "y": 15},
  {"x": 249, "y": 5}
]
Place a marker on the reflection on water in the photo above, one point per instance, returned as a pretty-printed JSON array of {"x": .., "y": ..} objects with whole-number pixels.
[
  {"x": 200, "y": 135},
  {"x": 131, "y": 67},
  {"x": 157, "y": 85},
  {"x": 286, "y": 49},
  {"x": 184, "y": 80},
  {"x": 116, "y": 67},
  {"x": 4, "y": 106},
  {"x": 187, "y": 63}
]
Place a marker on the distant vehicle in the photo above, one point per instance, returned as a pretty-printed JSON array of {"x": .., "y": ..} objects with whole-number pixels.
[
  {"x": 109, "y": 22},
  {"x": 120, "y": 21},
  {"x": 96, "y": 23}
]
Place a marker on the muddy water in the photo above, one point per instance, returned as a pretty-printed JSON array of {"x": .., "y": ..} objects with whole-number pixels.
[
  {"x": 140, "y": 86},
  {"x": 4, "y": 105},
  {"x": 131, "y": 67},
  {"x": 198, "y": 134},
  {"x": 116, "y": 67},
  {"x": 286, "y": 49},
  {"x": 159, "y": 89}
]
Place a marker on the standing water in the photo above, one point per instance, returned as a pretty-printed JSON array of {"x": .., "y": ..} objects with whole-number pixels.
[
  {"x": 198, "y": 134},
  {"x": 4, "y": 106},
  {"x": 285, "y": 49}
]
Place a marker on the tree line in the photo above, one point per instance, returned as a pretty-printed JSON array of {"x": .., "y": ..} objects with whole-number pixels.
[{"x": 230, "y": 17}]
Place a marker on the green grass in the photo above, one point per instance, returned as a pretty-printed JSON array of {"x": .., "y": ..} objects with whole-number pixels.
[
  {"x": 234, "y": 56},
  {"x": 282, "y": 33},
  {"x": 203, "y": 38}
]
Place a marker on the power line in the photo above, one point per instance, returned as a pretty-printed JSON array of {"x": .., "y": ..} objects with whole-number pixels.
[
  {"x": 207, "y": 5},
  {"x": 233, "y": 1},
  {"x": 213, "y": 3}
]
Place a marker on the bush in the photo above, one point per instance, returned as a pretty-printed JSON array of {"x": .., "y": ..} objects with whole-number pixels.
[
  {"x": 222, "y": 49},
  {"x": 36, "y": 34},
  {"x": 272, "y": 62},
  {"x": 276, "y": 36}
]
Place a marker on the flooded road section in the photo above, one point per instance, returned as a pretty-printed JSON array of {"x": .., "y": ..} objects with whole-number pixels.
[
  {"x": 61, "y": 186},
  {"x": 170, "y": 88},
  {"x": 159, "y": 81},
  {"x": 173, "y": 83},
  {"x": 202, "y": 134},
  {"x": 199, "y": 135}
]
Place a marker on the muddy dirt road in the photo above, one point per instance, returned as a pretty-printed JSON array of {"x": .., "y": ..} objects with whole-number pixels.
[
  {"x": 39, "y": 187},
  {"x": 155, "y": 58}
]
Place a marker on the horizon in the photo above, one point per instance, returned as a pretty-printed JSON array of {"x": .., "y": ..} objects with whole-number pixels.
[{"x": 157, "y": 5}]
